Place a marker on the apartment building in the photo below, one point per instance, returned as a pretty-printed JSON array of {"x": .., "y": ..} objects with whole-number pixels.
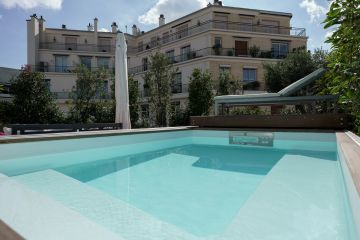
[{"x": 216, "y": 38}]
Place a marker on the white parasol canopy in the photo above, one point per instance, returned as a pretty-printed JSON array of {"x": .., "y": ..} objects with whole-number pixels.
[{"x": 121, "y": 82}]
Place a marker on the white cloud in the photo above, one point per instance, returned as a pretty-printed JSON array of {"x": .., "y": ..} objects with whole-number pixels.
[
  {"x": 172, "y": 9},
  {"x": 314, "y": 10},
  {"x": 104, "y": 30},
  {"x": 28, "y": 4}
]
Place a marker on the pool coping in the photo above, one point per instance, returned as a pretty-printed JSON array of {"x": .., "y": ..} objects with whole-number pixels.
[{"x": 86, "y": 134}]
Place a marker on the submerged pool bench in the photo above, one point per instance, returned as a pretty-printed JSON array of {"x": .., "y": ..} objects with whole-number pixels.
[{"x": 54, "y": 128}]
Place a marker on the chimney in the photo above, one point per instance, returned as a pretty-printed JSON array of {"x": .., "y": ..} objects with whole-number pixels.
[
  {"x": 90, "y": 27},
  {"x": 41, "y": 23},
  {"x": 134, "y": 30},
  {"x": 95, "y": 24},
  {"x": 114, "y": 27},
  {"x": 63, "y": 26},
  {"x": 161, "y": 20},
  {"x": 217, "y": 3}
]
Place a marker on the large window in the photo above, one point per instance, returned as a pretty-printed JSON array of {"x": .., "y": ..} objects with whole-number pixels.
[
  {"x": 270, "y": 26},
  {"x": 280, "y": 49},
  {"x": 177, "y": 84},
  {"x": 218, "y": 42},
  {"x": 185, "y": 53},
  {"x": 249, "y": 75},
  {"x": 144, "y": 64},
  {"x": 182, "y": 31},
  {"x": 70, "y": 43},
  {"x": 104, "y": 45},
  {"x": 103, "y": 62},
  {"x": 171, "y": 55},
  {"x": 86, "y": 61},
  {"x": 61, "y": 64},
  {"x": 225, "y": 69}
]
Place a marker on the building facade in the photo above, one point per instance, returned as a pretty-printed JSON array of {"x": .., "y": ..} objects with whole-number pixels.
[{"x": 216, "y": 38}]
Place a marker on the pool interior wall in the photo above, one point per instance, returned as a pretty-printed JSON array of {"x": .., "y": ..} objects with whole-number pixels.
[{"x": 195, "y": 183}]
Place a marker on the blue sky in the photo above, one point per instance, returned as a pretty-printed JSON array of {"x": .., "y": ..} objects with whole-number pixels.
[{"x": 76, "y": 14}]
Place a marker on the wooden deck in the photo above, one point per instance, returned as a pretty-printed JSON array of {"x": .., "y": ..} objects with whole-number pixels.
[{"x": 306, "y": 121}]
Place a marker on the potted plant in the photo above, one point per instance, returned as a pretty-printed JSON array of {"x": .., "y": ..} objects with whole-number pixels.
[{"x": 254, "y": 51}]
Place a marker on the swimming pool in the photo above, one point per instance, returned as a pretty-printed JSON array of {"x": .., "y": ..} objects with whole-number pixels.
[{"x": 192, "y": 184}]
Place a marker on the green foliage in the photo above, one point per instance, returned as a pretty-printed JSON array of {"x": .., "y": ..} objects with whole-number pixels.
[
  {"x": 344, "y": 61},
  {"x": 295, "y": 66},
  {"x": 201, "y": 96},
  {"x": 158, "y": 79},
  {"x": 179, "y": 117},
  {"x": 254, "y": 51},
  {"x": 228, "y": 84},
  {"x": 33, "y": 101},
  {"x": 249, "y": 110},
  {"x": 90, "y": 102},
  {"x": 133, "y": 101}
]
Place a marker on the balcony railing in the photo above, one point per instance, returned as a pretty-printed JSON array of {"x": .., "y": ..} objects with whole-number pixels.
[
  {"x": 229, "y": 52},
  {"x": 175, "y": 89},
  {"x": 213, "y": 24},
  {"x": 65, "y": 69},
  {"x": 78, "y": 47},
  {"x": 67, "y": 95}
]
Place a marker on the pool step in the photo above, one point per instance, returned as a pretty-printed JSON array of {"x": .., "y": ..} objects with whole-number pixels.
[
  {"x": 291, "y": 205},
  {"x": 112, "y": 213},
  {"x": 37, "y": 217}
]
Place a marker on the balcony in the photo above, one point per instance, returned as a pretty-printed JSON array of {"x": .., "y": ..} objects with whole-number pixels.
[
  {"x": 64, "y": 69},
  {"x": 78, "y": 47},
  {"x": 175, "y": 89},
  {"x": 221, "y": 25},
  {"x": 67, "y": 95},
  {"x": 229, "y": 52}
]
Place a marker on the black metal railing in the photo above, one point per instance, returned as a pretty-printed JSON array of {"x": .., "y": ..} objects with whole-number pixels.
[
  {"x": 229, "y": 52},
  {"x": 65, "y": 69},
  {"x": 68, "y": 95},
  {"x": 222, "y": 25},
  {"x": 77, "y": 47},
  {"x": 175, "y": 89}
]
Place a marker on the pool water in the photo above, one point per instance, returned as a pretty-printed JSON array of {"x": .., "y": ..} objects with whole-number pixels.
[{"x": 195, "y": 184}]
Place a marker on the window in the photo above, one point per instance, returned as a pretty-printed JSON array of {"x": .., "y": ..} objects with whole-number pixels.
[
  {"x": 70, "y": 43},
  {"x": 144, "y": 64},
  {"x": 246, "y": 24},
  {"x": 270, "y": 26},
  {"x": 153, "y": 41},
  {"x": 218, "y": 42},
  {"x": 185, "y": 53},
  {"x": 225, "y": 69},
  {"x": 249, "y": 75},
  {"x": 165, "y": 37},
  {"x": 177, "y": 84},
  {"x": 221, "y": 22},
  {"x": 182, "y": 31},
  {"x": 104, "y": 45},
  {"x": 86, "y": 61},
  {"x": 175, "y": 106},
  {"x": 280, "y": 49},
  {"x": 103, "y": 62},
  {"x": 61, "y": 64},
  {"x": 171, "y": 55}
]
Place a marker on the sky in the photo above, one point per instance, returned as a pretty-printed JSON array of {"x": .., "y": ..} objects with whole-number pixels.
[{"x": 77, "y": 14}]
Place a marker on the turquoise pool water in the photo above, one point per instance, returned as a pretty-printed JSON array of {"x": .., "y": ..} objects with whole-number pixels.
[{"x": 194, "y": 184}]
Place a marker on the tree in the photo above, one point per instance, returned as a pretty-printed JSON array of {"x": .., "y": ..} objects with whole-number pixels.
[
  {"x": 33, "y": 101},
  {"x": 90, "y": 101},
  {"x": 228, "y": 84},
  {"x": 344, "y": 60},
  {"x": 295, "y": 66},
  {"x": 158, "y": 80},
  {"x": 134, "y": 101},
  {"x": 201, "y": 96}
]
